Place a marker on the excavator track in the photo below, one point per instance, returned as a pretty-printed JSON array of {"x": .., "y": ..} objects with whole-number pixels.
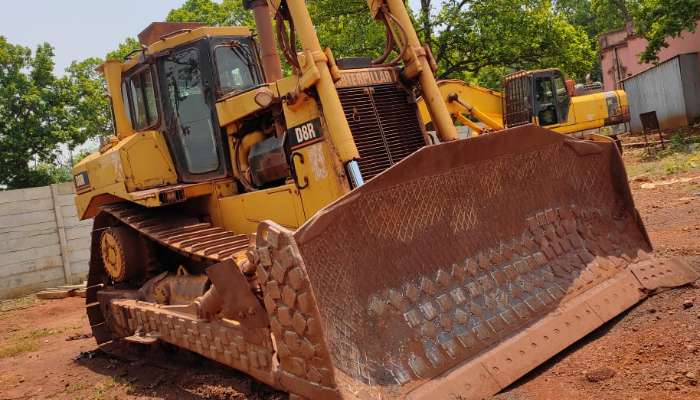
[{"x": 200, "y": 241}]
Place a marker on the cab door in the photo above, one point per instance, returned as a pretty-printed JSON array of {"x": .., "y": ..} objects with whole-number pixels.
[
  {"x": 191, "y": 125},
  {"x": 551, "y": 98}
]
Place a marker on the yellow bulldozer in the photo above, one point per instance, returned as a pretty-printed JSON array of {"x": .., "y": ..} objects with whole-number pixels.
[
  {"x": 305, "y": 231},
  {"x": 542, "y": 97}
]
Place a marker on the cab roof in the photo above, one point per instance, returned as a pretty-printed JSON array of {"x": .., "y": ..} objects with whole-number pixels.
[{"x": 160, "y": 36}]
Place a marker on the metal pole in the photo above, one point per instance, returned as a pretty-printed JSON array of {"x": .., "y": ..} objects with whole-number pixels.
[
  {"x": 338, "y": 127},
  {"x": 268, "y": 50},
  {"x": 431, "y": 94}
]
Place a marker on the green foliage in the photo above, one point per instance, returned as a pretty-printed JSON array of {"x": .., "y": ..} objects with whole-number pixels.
[
  {"x": 90, "y": 114},
  {"x": 594, "y": 17},
  {"x": 478, "y": 40},
  {"x": 125, "y": 48},
  {"x": 347, "y": 28},
  {"x": 659, "y": 20},
  {"x": 209, "y": 12},
  {"x": 610, "y": 14},
  {"x": 39, "y": 112},
  {"x": 482, "y": 36},
  {"x": 655, "y": 20}
]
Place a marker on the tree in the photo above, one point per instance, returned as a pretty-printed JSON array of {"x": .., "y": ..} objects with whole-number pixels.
[
  {"x": 39, "y": 112},
  {"x": 655, "y": 20},
  {"x": 472, "y": 39},
  {"x": 209, "y": 12},
  {"x": 128, "y": 46},
  {"x": 594, "y": 16},
  {"x": 347, "y": 28},
  {"x": 88, "y": 106},
  {"x": 658, "y": 20},
  {"x": 477, "y": 37}
]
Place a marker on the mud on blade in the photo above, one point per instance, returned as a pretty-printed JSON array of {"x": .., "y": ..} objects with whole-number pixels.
[{"x": 459, "y": 269}]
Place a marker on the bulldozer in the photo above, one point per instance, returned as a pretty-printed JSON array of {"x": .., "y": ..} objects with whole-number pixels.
[
  {"x": 305, "y": 230},
  {"x": 543, "y": 97}
]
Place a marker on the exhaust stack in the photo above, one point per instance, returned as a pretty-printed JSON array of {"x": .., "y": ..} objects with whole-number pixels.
[{"x": 263, "y": 22}]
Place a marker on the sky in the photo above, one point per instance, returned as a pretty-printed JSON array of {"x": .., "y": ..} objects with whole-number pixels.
[{"x": 78, "y": 29}]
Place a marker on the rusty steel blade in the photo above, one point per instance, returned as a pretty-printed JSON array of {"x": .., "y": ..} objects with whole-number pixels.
[{"x": 459, "y": 269}]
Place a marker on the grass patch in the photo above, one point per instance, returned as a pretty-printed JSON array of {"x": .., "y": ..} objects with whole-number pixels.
[
  {"x": 103, "y": 389},
  {"x": 16, "y": 348},
  {"x": 18, "y": 304},
  {"x": 25, "y": 342},
  {"x": 75, "y": 387},
  {"x": 682, "y": 154}
]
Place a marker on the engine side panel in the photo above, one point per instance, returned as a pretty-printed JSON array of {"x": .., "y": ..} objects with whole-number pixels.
[{"x": 138, "y": 162}]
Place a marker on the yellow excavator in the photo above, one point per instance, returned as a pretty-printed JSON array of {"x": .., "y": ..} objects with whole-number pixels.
[
  {"x": 542, "y": 97},
  {"x": 306, "y": 231}
]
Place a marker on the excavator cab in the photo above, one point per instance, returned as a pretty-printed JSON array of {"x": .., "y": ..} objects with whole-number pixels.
[{"x": 541, "y": 97}]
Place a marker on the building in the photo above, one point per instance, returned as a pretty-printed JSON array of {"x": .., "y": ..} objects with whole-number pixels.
[
  {"x": 668, "y": 93},
  {"x": 620, "y": 49}
]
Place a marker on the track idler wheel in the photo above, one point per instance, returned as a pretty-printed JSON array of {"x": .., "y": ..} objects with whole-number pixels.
[{"x": 123, "y": 253}]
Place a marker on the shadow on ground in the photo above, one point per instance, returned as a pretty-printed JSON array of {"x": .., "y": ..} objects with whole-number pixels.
[{"x": 165, "y": 372}]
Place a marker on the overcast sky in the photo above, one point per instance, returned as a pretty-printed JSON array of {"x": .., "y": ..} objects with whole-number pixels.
[{"x": 79, "y": 29}]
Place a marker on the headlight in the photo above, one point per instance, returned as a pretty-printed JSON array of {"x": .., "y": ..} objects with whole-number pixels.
[
  {"x": 613, "y": 104},
  {"x": 616, "y": 113}
]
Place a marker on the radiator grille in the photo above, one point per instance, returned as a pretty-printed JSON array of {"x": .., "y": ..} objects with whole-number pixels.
[{"x": 384, "y": 124}]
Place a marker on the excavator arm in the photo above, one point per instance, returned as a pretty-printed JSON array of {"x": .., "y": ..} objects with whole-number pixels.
[
  {"x": 465, "y": 100},
  {"x": 481, "y": 109}
]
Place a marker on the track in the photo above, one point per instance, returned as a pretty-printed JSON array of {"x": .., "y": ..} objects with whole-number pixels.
[
  {"x": 174, "y": 230},
  {"x": 186, "y": 235}
]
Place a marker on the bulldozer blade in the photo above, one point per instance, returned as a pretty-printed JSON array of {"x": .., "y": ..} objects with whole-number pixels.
[{"x": 458, "y": 270}]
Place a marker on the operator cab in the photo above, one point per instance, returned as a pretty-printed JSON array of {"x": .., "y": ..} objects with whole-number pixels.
[
  {"x": 539, "y": 94},
  {"x": 175, "y": 90}
]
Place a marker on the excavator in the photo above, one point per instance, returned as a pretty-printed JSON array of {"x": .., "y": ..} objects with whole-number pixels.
[
  {"x": 305, "y": 230},
  {"x": 542, "y": 97}
]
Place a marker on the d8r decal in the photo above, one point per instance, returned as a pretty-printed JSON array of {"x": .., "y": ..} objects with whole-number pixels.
[{"x": 305, "y": 134}]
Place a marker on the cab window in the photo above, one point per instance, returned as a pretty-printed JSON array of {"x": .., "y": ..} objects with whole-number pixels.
[
  {"x": 191, "y": 122},
  {"x": 562, "y": 96},
  {"x": 545, "y": 98},
  {"x": 125, "y": 98},
  {"x": 236, "y": 66},
  {"x": 142, "y": 98}
]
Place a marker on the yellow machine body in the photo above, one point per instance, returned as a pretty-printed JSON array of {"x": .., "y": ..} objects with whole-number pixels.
[
  {"x": 470, "y": 104},
  {"x": 308, "y": 230}
]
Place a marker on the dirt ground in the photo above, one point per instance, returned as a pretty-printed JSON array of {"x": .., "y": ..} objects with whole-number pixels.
[{"x": 650, "y": 352}]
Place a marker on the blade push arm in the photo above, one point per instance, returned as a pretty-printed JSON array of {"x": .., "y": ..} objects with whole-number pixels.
[
  {"x": 415, "y": 57},
  {"x": 417, "y": 62}
]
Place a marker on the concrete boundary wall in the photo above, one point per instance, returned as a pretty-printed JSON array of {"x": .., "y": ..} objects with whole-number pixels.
[{"x": 42, "y": 242}]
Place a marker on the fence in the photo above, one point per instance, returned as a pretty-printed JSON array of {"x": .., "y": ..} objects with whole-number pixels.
[{"x": 42, "y": 242}]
